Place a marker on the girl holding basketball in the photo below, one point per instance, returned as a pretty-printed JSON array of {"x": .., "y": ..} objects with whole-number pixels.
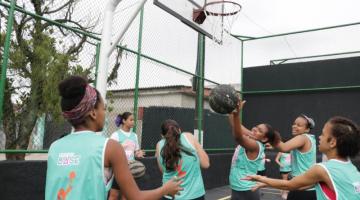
[
  {"x": 129, "y": 141},
  {"x": 80, "y": 165},
  {"x": 303, "y": 153},
  {"x": 180, "y": 154},
  {"x": 284, "y": 161},
  {"x": 335, "y": 179},
  {"x": 247, "y": 155}
]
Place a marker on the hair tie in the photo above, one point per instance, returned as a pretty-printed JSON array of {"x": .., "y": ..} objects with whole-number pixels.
[
  {"x": 310, "y": 121},
  {"x": 118, "y": 121}
]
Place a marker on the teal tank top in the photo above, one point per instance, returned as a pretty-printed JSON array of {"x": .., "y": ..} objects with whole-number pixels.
[
  {"x": 129, "y": 144},
  {"x": 75, "y": 168},
  {"x": 345, "y": 179},
  {"x": 262, "y": 163},
  {"x": 189, "y": 165},
  {"x": 285, "y": 160},
  {"x": 241, "y": 167},
  {"x": 301, "y": 162}
]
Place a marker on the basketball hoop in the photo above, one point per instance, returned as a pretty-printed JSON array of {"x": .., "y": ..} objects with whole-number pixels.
[
  {"x": 220, "y": 15},
  {"x": 222, "y": 8}
]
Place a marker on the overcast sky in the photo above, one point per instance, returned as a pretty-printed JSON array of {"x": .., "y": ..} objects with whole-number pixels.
[{"x": 167, "y": 39}]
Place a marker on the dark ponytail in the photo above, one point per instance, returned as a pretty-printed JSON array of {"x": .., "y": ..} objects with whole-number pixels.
[
  {"x": 273, "y": 137},
  {"x": 170, "y": 153}
]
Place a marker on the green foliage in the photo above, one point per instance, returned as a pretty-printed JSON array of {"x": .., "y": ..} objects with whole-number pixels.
[{"x": 38, "y": 62}]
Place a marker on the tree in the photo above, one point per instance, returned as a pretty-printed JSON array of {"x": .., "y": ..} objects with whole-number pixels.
[{"x": 38, "y": 61}]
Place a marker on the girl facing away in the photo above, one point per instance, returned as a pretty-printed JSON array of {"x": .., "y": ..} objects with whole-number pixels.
[
  {"x": 180, "y": 154},
  {"x": 335, "y": 179},
  {"x": 247, "y": 156},
  {"x": 82, "y": 164},
  {"x": 129, "y": 141}
]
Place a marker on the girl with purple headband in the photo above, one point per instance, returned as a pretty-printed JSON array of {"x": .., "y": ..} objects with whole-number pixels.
[
  {"x": 82, "y": 165},
  {"x": 129, "y": 142}
]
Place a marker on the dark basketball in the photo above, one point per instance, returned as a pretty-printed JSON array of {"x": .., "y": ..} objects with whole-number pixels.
[
  {"x": 137, "y": 168},
  {"x": 223, "y": 99}
]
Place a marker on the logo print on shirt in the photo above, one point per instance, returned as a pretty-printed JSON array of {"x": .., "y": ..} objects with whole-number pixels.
[
  {"x": 129, "y": 147},
  {"x": 179, "y": 170},
  {"x": 63, "y": 193},
  {"x": 357, "y": 187},
  {"x": 288, "y": 159},
  {"x": 68, "y": 159}
]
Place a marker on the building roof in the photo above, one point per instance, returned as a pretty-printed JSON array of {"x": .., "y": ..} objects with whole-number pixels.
[{"x": 175, "y": 88}]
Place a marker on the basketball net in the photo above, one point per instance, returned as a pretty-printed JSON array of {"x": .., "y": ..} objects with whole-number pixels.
[{"x": 221, "y": 15}]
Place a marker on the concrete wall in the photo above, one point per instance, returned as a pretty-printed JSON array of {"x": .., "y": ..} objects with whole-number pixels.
[{"x": 26, "y": 179}]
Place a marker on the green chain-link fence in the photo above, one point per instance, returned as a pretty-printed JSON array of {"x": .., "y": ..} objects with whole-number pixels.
[{"x": 48, "y": 43}]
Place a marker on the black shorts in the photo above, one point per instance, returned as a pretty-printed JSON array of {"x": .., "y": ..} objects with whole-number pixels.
[
  {"x": 285, "y": 172},
  {"x": 245, "y": 195},
  {"x": 115, "y": 185},
  {"x": 199, "y": 198},
  {"x": 262, "y": 173},
  {"x": 301, "y": 195}
]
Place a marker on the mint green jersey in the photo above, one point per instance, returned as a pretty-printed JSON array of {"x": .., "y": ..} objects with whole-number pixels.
[
  {"x": 241, "y": 167},
  {"x": 262, "y": 163},
  {"x": 345, "y": 179},
  {"x": 128, "y": 142},
  {"x": 75, "y": 168},
  {"x": 189, "y": 167},
  {"x": 285, "y": 160},
  {"x": 301, "y": 162}
]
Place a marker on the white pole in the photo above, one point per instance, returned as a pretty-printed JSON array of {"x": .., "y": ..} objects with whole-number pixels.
[
  {"x": 104, "y": 47},
  {"x": 126, "y": 26}
]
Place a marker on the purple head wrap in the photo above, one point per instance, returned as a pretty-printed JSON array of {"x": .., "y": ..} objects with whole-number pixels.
[{"x": 86, "y": 104}]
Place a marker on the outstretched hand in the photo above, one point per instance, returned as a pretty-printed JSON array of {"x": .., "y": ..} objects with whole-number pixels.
[
  {"x": 257, "y": 178},
  {"x": 252, "y": 178},
  {"x": 172, "y": 187},
  {"x": 239, "y": 107},
  {"x": 258, "y": 186},
  {"x": 140, "y": 154}
]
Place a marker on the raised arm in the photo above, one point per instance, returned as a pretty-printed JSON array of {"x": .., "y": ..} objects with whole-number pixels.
[
  {"x": 115, "y": 158},
  {"x": 239, "y": 133},
  {"x": 204, "y": 158},
  {"x": 295, "y": 143}
]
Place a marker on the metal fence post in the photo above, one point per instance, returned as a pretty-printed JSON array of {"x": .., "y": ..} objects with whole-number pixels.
[
  {"x": 200, "y": 87},
  {"x": 5, "y": 58},
  {"x": 136, "y": 92}
]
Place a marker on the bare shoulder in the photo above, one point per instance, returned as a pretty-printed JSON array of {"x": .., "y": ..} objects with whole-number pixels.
[
  {"x": 319, "y": 171},
  {"x": 112, "y": 144},
  {"x": 300, "y": 138},
  {"x": 190, "y": 137}
]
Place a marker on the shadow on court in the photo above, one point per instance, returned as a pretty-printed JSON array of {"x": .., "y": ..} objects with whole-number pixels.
[{"x": 223, "y": 193}]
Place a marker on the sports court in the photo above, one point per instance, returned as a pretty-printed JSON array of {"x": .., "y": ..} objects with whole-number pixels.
[{"x": 191, "y": 61}]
